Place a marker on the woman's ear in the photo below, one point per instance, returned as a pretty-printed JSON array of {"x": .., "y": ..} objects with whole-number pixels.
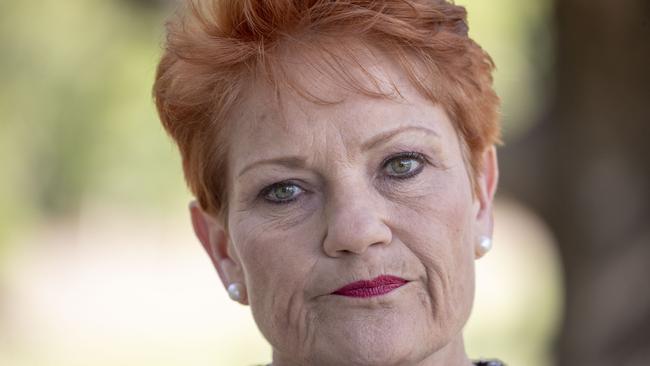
[
  {"x": 215, "y": 241},
  {"x": 487, "y": 181}
]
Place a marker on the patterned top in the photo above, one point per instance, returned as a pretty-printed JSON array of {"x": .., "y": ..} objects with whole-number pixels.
[
  {"x": 489, "y": 363},
  {"x": 476, "y": 363}
]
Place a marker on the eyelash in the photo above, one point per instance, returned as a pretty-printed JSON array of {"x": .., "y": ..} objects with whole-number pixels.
[
  {"x": 420, "y": 158},
  {"x": 268, "y": 189}
]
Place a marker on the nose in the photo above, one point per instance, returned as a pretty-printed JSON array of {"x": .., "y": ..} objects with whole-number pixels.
[{"x": 356, "y": 220}]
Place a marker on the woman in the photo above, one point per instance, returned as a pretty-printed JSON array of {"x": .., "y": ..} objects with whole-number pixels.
[{"x": 342, "y": 157}]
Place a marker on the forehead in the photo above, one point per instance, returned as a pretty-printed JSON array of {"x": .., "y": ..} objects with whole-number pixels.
[{"x": 283, "y": 121}]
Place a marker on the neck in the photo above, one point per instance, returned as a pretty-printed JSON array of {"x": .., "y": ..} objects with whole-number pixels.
[{"x": 453, "y": 354}]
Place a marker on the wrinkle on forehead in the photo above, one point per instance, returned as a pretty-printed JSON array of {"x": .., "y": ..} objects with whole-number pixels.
[
  {"x": 323, "y": 72},
  {"x": 326, "y": 71}
]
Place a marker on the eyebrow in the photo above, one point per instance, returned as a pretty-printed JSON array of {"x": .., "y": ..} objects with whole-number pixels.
[
  {"x": 297, "y": 162},
  {"x": 387, "y": 135}
]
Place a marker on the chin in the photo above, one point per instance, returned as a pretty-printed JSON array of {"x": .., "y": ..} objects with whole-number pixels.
[
  {"x": 366, "y": 353},
  {"x": 370, "y": 341}
]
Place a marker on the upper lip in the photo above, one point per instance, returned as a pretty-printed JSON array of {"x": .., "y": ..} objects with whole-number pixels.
[{"x": 383, "y": 280}]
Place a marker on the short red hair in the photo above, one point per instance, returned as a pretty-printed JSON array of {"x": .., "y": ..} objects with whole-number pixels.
[{"x": 216, "y": 48}]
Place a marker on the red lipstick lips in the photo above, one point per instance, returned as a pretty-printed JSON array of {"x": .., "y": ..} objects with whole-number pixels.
[{"x": 375, "y": 287}]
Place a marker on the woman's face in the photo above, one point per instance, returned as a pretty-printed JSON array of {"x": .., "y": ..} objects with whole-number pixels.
[{"x": 323, "y": 196}]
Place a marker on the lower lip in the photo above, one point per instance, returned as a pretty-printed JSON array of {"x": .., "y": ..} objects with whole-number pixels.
[{"x": 371, "y": 291}]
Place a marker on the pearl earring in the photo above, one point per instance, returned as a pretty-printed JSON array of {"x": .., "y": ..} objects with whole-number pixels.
[
  {"x": 235, "y": 291},
  {"x": 484, "y": 246}
]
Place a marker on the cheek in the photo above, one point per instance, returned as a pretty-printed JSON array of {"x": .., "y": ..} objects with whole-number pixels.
[
  {"x": 438, "y": 230},
  {"x": 439, "y": 218},
  {"x": 273, "y": 248},
  {"x": 272, "y": 257},
  {"x": 277, "y": 261}
]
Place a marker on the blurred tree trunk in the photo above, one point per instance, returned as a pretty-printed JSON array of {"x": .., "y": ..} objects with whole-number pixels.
[{"x": 586, "y": 169}]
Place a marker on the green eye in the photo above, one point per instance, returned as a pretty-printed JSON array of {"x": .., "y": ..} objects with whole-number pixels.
[
  {"x": 282, "y": 192},
  {"x": 401, "y": 166},
  {"x": 404, "y": 166}
]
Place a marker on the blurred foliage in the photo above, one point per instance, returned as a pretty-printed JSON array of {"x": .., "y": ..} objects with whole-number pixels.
[
  {"x": 519, "y": 36},
  {"x": 77, "y": 118}
]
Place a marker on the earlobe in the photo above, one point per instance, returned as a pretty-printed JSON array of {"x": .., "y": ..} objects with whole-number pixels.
[
  {"x": 215, "y": 241},
  {"x": 482, "y": 247}
]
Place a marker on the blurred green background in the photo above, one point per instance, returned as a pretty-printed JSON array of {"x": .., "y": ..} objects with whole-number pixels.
[{"x": 98, "y": 264}]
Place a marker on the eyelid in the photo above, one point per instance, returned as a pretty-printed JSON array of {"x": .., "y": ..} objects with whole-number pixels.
[
  {"x": 408, "y": 154},
  {"x": 265, "y": 191}
]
